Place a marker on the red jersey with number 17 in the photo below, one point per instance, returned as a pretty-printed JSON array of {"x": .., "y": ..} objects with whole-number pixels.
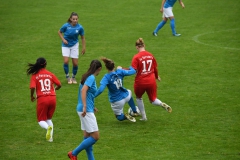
[
  {"x": 43, "y": 82},
  {"x": 146, "y": 66}
]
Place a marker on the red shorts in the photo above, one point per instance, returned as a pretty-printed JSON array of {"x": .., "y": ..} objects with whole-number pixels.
[
  {"x": 151, "y": 89},
  {"x": 45, "y": 107}
]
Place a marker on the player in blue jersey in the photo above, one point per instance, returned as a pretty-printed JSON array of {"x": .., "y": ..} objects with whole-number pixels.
[
  {"x": 166, "y": 9},
  {"x": 85, "y": 110},
  {"x": 118, "y": 95},
  {"x": 69, "y": 34}
]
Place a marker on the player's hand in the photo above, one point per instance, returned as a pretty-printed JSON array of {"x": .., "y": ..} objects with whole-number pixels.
[
  {"x": 159, "y": 78},
  {"x": 65, "y": 41},
  {"x": 161, "y": 10},
  {"x": 119, "y": 67},
  {"x": 83, "y": 51},
  {"x": 182, "y": 5},
  {"x": 95, "y": 110},
  {"x": 33, "y": 98},
  {"x": 84, "y": 111}
]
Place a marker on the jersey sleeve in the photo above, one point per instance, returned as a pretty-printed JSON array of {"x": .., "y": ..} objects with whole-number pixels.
[
  {"x": 56, "y": 80},
  {"x": 103, "y": 84},
  {"x": 134, "y": 63},
  {"x": 32, "y": 82},
  {"x": 129, "y": 72},
  {"x": 63, "y": 28},
  {"x": 89, "y": 81},
  {"x": 81, "y": 31},
  {"x": 155, "y": 68}
]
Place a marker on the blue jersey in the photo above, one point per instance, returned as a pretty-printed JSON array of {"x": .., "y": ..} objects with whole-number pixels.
[
  {"x": 169, "y": 3},
  {"x": 91, "y": 83},
  {"x": 71, "y": 33},
  {"x": 114, "y": 82}
]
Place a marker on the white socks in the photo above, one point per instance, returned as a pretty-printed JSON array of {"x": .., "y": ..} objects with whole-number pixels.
[
  {"x": 45, "y": 124},
  {"x": 141, "y": 108},
  {"x": 157, "y": 102}
]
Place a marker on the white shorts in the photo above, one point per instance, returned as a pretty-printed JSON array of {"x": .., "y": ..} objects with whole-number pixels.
[
  {"x": 89, "y": 122},
  {"x": 72, "y": 52},
  {"x": 167, "y": 12},
  {"x": 117, "y": 107}
]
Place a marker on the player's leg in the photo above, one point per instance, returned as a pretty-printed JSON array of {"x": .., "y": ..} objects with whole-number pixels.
[
  {"x": 66, "y": 54},
  {"x": 152, "y": 95},
  {"x": 131, "y": 101},
  {"x": 117, "y": 108},
  {"x": 74, "y": 55},
  {"x": 89, "y": 151},
  {"x": 51, "y": 110},
  {"x": 42, "y": 111},
  {"x": 162, "y": 23},
  {"x": 90, "y": 130},
  {"x": 139, "y": 91},
  {"x": 172, "y": 22},
  {"x": 159, "y": 26}
]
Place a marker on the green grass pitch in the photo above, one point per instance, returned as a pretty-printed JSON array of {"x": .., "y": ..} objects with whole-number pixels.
[{"x": 200, "y": 74}]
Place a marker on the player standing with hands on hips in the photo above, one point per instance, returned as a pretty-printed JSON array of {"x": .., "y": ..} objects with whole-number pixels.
[
  {"x": 70, "y": 45},
  {"x": 85, "y": 110},
  {"x": 166, "y": 9},
  {"x": 145, "y": 81},
  {"x": 43, "y": 81}
]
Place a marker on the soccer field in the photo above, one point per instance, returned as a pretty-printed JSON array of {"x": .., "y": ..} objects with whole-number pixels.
[{"x": 200, "y": 73}]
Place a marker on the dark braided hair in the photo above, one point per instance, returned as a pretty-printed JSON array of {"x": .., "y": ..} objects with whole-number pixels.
[
  {"x": 94, "y": 65},
  {"x": 34, "y": 68}
]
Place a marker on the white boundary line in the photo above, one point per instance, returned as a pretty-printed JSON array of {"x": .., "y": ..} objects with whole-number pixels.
[{"x": 195, "y": 38}]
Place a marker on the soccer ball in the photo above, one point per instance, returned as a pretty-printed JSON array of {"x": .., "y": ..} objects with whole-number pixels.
[{"x": 130, "y": 112}]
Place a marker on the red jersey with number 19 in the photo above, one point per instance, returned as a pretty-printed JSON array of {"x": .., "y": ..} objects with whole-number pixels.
[
  {"x": 44, "y": 82},
  {"x": 146, "y": 66}
]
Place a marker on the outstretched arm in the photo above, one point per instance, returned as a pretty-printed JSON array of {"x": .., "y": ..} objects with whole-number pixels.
[{"x": 100, "y": 90}]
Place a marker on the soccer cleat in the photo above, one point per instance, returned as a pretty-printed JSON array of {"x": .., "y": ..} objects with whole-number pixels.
[
  {"x": 154, "y": 34},
  {"x": 167, "y": 107},
  {"x": 74, "y": 81},
  {"x": 71, "y": 156},
  {"x": 135, "y": 114},
  {"x": 48, "y": 135},
  {"x": 130, "y": 118},
  {"x": 69, "y": 80},
  {"x": 143, "y": 119},
  {"x": 176, "y": 35},
  {"x": 50, "y": 140}
]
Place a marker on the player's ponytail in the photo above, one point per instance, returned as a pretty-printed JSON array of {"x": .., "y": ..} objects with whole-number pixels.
[
  {"x": 140, "y": 43},
  {"x": 34, "y": 68},
  {"x": 108, "y": 63},
  {"x": 94, "y": 65}
]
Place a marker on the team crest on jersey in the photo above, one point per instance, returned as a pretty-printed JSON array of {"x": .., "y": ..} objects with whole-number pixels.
[{"x": 76, "y": 31}]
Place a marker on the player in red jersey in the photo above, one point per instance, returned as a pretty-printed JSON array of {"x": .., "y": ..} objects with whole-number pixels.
[
  {"x": 45, "y": 83},
  {"x": 145, "y": 81}
]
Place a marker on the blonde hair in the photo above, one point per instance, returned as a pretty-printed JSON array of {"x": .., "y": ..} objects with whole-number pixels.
[{"x": 140, "y": 43}]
